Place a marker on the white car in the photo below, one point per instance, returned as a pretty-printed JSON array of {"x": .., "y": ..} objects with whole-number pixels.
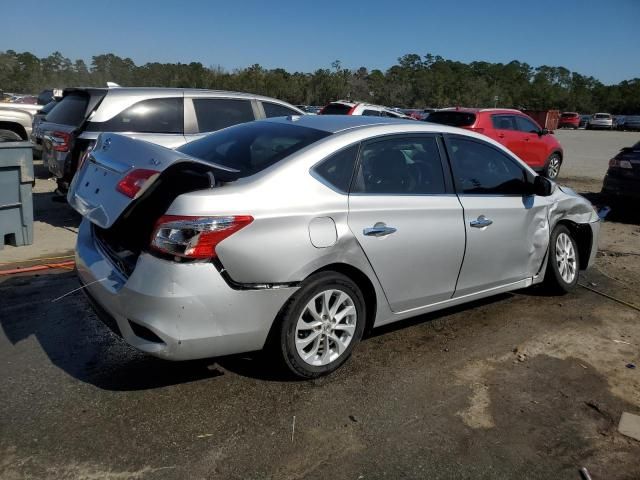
[
  {"x": 600, "y": 120},
  {"x": 347, "y": 107}
]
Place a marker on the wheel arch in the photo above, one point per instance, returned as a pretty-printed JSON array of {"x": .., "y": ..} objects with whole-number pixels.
[
  {"x": 14, "y": 127},
  {"x": 584, "y": 238}
]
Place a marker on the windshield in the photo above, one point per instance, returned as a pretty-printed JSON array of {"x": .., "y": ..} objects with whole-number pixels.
[
  {"x": 455, "y": 119},
  {"x": 251, "y": 147}
]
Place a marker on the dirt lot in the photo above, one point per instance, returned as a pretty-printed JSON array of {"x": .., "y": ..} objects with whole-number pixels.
[{"x": 518, "y": 386}]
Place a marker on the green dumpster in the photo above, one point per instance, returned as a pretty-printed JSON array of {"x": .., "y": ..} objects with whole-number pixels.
[{"x": 16, "y": 200}]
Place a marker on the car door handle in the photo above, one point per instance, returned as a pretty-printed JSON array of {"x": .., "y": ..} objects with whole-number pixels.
[
  {"x": 480, "y": 222},
  {"x": 501, "y": 135},
  {"x": 379, "y": 230}
]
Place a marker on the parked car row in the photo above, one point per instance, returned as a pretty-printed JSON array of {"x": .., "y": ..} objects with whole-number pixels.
[{"x": 165, "y": 116}]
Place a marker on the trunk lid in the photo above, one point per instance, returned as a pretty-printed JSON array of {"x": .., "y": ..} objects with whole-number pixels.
[{"x": 93, "y": 192}]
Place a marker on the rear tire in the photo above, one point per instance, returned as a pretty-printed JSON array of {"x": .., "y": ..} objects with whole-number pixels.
[
  {"x": 320, "y": 325},
  {"x": 552, "y": 169},
  {"x": 561, "y": 275},
  {"x": 9, "y": 136}
]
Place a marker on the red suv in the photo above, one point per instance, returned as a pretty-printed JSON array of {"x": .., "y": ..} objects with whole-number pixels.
[
  {"x": 513, "y": 129},
  {"x": 569, "y": 120}
]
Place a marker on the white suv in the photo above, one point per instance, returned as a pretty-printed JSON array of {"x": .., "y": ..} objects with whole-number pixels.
[{"x": 346, "y": 107}]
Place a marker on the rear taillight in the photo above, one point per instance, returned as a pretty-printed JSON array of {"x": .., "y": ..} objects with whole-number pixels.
[
  {"x": 194, "y": 237},
  {"x": 617, "y": 163},
  {"x": 60, "y": 141},
  {"x": 136, "y": 182}
]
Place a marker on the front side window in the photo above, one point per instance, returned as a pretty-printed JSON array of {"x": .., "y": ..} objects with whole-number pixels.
[
  {"x": 480, "y": 168},
  {"x": 337, "y": 170},
  {"x": 217, "y": 113},
  {"x": 503, "y": 122},
  {"x": 158, "y": 115},
  {"x": 276, "y": 110},
  {"x": 400, "y": 166},
  {"x": 526, "y": 125}
]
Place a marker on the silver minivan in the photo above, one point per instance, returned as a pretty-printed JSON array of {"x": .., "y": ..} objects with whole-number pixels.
[{"x": 165, "y": 116}]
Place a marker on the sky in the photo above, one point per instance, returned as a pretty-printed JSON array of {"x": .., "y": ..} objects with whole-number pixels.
[{"x": 598, "y": 38}]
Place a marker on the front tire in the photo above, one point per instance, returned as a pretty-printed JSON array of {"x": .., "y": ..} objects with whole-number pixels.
[
  {"x": 552, "y": 170},
  {"x": 561, "y": 275},
  {"x": 320, "y": 325}
]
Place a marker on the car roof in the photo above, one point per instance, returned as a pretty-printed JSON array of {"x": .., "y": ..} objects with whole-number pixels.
[
  {"x": 478, "y": 110},
  {"x": 151, "y": 91},
  {"x": 338, "y": 123}
]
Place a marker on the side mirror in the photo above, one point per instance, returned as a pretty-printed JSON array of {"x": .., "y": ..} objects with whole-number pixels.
[
  {"x": 544, "y": 131},
  {"x": 542, "y": 186}
]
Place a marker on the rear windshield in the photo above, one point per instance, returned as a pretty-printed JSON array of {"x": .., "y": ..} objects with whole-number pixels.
[
  {"x": 569, "y": 115},
  {"x": 455, "y": 119},
  {"x": 70, "y": 110},
  {"x": 602, "y": 115},
  {"x": 47, "y": 108},
  {"x": 336, "y": 109},
  {"x": 251, "y": 147}
]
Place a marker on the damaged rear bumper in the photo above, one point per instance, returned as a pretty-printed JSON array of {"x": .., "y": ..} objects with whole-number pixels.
[{"x": 176, "y": 311}]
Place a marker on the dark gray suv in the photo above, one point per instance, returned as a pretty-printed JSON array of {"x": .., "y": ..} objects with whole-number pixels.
[{"x": 166, "y": 116}]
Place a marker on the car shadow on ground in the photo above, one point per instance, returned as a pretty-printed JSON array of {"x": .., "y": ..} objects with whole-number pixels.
[
  {"x": 77, "y": 342},
  {"x": 54, "y": 210}
]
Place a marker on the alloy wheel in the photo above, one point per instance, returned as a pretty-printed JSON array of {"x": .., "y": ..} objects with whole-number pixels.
[
  {"x": 326, "y": 327},
  {"x": 566, "y": 258},
  {"x": 554, "y": 167}
]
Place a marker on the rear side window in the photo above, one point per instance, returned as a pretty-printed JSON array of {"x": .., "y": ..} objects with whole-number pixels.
[
  {"x": 371, "y": 113},
  {"x": 276, "y": 110},
  {"x": 158, "y": 115},
  {"x": 336, "y": 109},
  {"x": 400, "y": 166},
  {"x": 337, "y": 170},
  {"x": 503, "y": 122},
  {"x": 71, "y": 110},
  {"x": 251, "y": 147},
  {"x": 481, "y": 169},
  {"x": 455, "y": 119},
  {"x": 218, "y": 113}
]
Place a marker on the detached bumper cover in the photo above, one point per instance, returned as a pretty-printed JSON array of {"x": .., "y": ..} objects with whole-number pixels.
[{"x": 188, "y": 306}]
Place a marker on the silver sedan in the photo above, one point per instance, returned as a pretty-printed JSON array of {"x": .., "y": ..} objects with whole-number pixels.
[{"x": 300, "y": 233}]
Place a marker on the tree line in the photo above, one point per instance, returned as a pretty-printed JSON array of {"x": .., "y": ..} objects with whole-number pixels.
[{"x": 414, "y": 81}]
